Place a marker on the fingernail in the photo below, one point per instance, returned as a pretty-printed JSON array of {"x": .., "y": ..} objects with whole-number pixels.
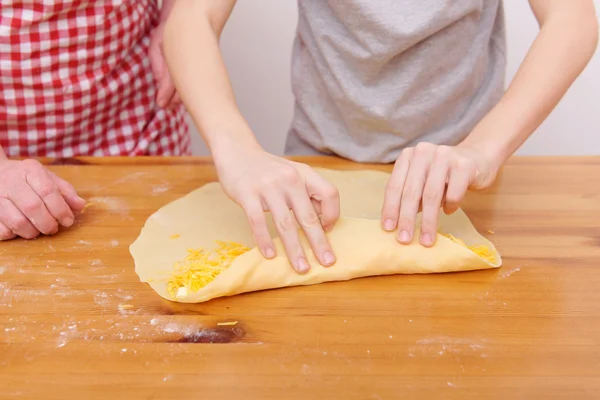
[
  {"x": 404, "y": 236},
  {"x": 388, "y": 225},
  {"x": 67, "y": 221},
  {"x": 426, "y": 239},
  {"x": 269, "y": 252},
  {"x": 80, "y": 199},
  {"x": 328, "y": 258},
  {"x": 302, "y": 265}
]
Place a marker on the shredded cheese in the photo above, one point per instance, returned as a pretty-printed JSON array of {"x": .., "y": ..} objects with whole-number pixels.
[
  {"x": 175, "y": 236},
  {"x": 85, "y": 207},
  {"x": 482, "y": 250},
  {"x": 201, "y": 267},
  {"x": 232, "y": 323}
]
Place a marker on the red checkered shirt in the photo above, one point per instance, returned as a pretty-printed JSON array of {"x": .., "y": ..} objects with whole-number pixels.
[{"x": 76, "y": 79}]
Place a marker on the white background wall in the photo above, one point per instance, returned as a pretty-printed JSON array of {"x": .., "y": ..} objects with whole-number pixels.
[{"x": 257, "y": 43}]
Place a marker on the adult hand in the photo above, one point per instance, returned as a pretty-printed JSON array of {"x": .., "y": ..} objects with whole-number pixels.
[
  {"x": 258, "y": 181},
  {"x": 34, "y": 200},
  {"x": 167, "y": 95},
  {"x": 428, "y": 177}
]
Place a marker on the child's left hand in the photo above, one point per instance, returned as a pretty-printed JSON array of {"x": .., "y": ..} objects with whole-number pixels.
[{"x": 428, "y": 177}]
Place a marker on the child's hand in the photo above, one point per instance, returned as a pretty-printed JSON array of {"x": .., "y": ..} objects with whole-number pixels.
[
  {"x": 258, "y": 181},
  {"x": 428, "y": 177},
  {"x": 33, "y": 200}
]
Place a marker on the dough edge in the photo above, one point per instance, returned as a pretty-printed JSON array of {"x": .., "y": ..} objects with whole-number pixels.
[{"x": 252, "y": 272}]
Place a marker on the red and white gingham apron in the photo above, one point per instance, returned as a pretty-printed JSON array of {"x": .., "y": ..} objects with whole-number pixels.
[{"x": 76, "y": 79}]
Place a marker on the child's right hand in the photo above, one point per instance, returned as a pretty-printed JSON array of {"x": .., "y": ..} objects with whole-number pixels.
[
  {"x": 33, "y": 200},
  {"x": 258, "y": 181}
]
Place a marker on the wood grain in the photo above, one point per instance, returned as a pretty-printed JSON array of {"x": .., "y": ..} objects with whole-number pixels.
[{"x": 75, "y": 322}]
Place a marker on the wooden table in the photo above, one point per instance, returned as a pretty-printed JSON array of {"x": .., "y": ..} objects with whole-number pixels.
[{"x": 75, "y": 321}]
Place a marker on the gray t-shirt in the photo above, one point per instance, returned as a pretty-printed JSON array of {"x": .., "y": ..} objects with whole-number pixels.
[{"x": 371, "y": 77}]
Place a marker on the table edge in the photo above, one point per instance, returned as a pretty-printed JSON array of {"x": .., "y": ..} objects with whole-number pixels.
[{"x": 333, "y": 160}]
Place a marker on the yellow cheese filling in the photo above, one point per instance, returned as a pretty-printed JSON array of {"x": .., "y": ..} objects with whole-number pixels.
[
  {"x": 481, "y": 250},
  {"x": 201, "y": 267}
]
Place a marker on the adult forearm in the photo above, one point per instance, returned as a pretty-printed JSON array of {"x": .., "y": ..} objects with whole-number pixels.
[
  {"x": 191, "y": 49},
  {"x": 562, "y": 49}
]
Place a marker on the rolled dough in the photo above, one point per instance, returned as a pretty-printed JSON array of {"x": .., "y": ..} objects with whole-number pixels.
[{"x": 207, "y": 215}]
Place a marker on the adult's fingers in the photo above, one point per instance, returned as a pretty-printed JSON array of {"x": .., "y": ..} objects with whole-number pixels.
[
  {"x": 258, "y": 225},
  {"x": 166, "y": 87},
  {"x": 6, "y": 233},
  {"x": 310, "y": 223},
  {"x": 32, "y": 207},
  {"x": 413, "y": 190},
  {"x": 288, "y": 231},
  {"x": 69, "y": 193},
  {"x": 175, "y": 100},
  {"x": 433, "y": 194},
  {"x": 393, "y": 191},
  {"x": 13, "y": 220},
  {"x": 156, "y": 59},
  {"x": 47, "y": 190}
]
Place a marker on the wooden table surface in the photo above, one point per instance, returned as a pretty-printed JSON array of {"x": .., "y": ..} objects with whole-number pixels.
[{"x": 530, "y": 328}]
